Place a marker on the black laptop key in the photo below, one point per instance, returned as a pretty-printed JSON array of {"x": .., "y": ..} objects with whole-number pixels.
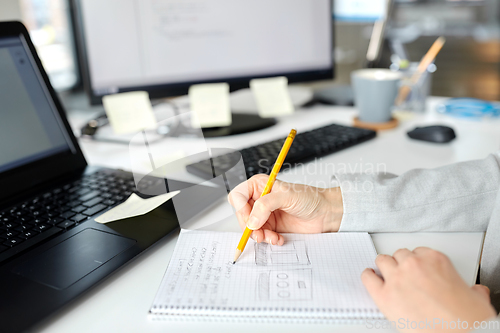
[
  {"x": 38, "y": 221},
  {"x": 74, "y": 203},
  {"x": 12, "y": 241},
  {"x": 55, "y": 220},
  {"x": 8, "y": 234},
  {"x": 68, "y": 215},
  {"x": 79, "y": 218},
  {"x": 94, "y": 210},
  {"x": 23, "y": 227},
  {"x": 25, "y": 219},
  {"x": 66, "y": 224},
  {"x": 78, "y": 209},
  {"x": 3, "y": 248},
  {"x": 89, "y": 195},
  {"x": 17, "y": 213},
  {"x": 11, "y": 225},
  {"x": 36, "y": 213},
  {"x": 109, "y": 202},
  {"x": 64, "y": 209},
  {"x": 41, "y": 227},
  {"x": 27, "y": 234},
  {"x": 53, "y": 213},
  {"x": 117, "y": 198},
  {"x": 83, "y": 191},
  {"x": 92, "y": 202},
  {"x": 73, "y": 189}
]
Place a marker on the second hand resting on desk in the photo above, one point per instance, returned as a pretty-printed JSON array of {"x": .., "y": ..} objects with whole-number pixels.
[{"x": 267, "y": 189}]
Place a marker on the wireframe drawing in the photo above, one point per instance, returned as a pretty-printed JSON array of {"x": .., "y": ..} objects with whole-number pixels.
[
  {"x": 294, "y": 252},
  {"x": 285, "y": 285}
]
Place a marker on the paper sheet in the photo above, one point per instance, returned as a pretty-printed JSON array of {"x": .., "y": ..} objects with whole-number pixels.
[
  {"x": 309, "y": 272},
  {"x": 134, "y": 206},
  {"x": 210, "y": 105},
  {"x": 272, "y": 96},
  {"x": 129, "y": 112}
]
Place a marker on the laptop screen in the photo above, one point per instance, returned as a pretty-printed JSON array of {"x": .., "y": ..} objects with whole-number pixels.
[{"x": 30, "y": 126}]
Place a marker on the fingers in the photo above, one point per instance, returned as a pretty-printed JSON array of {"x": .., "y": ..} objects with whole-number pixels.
[
  {"x": 272, "y": 237},
  {"x": 263, "y": 208},
  {"x": 386, "y": 264},
  {"x": 258, "y": 235},
  {"x": 402, "y": 254},
  {"x": 242, "y": 197},
  {"x": 268, "y": 236},
  {"x": 422, "y": 250},
  {"x": 482, "y": 290},
  {"x": 372, "y": 282}
]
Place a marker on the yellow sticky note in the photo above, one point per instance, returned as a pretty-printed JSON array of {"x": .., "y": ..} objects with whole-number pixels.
[
  {"x": 272, "y": 96},
  {"x": 129, "y": 112},
  {"x": 134, "y": 206},
  {"x": 210, "y": 105}
]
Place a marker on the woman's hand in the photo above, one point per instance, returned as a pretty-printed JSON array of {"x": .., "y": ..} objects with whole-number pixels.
[
  {"x": 423, "y": 286},
  {"x": 289, "y": 207}
]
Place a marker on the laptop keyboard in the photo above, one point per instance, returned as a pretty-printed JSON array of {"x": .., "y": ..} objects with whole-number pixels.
[{"x": 62, "y": 208}]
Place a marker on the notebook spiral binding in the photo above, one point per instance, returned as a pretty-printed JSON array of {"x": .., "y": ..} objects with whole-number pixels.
[{"x": 264, "y": 314}]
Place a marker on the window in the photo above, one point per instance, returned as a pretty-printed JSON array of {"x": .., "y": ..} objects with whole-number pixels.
[{"x": 48, "y": 22}]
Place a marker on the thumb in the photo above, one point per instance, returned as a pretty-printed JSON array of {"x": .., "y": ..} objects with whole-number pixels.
[
  {"x": 263, "y": 207},
  {"x": 482, "y": 290}
]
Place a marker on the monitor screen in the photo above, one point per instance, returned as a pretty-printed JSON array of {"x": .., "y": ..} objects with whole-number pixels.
[
  {"x": 360, "y": 10},
  {"x": 164, "y": 46},
  {"x": 31, "y": 128}
]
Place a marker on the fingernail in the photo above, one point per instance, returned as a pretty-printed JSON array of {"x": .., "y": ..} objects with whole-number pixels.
[{"x": 253, "y": 223}]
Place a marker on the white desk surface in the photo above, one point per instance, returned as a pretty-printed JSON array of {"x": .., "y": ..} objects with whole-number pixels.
[{"x": 121, "y": 302}]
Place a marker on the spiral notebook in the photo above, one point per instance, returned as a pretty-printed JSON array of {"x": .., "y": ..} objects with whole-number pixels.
[{"x": 311, "y": 277}]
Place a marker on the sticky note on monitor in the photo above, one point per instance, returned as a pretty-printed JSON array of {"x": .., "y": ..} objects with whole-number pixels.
[
  {"x": 134, "y": 206},
  {"x": 210, "y": 105},
  {"x": 129, "y": 112},
  {"x": 272, "y": 96}
]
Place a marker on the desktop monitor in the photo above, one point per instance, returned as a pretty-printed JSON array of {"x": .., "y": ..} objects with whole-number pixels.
[
  {"x": 360, "y": 11},
  {"x": 164, "y": 46}
]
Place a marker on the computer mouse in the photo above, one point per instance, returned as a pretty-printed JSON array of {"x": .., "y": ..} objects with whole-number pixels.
[{"x": 437, "y": 134}]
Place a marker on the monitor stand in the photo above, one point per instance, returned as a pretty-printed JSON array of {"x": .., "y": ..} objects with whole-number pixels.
[{"x": 242, "y": 123}]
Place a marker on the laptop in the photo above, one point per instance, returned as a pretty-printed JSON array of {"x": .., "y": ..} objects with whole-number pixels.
[{"x": 51, "y": 249}]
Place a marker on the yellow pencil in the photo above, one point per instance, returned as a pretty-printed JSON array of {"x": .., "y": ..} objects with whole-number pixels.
[{"x": 267, "y": 189}]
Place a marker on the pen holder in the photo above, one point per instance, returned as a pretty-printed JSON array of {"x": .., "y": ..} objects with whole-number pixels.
[{"x": 419, "y": 91}]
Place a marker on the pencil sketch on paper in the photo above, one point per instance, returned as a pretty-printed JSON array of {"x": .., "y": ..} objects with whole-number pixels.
[
  {"x": 291, "y": 253},
  {"x": 285, "y": 285}
]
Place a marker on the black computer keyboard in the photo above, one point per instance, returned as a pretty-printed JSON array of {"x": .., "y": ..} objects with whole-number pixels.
[
  {"x": 260, "y": 159},
  {"x": 62, "y": 208}
]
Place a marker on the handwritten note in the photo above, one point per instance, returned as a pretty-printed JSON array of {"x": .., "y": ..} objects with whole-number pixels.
[
  {"x": 272, "y": 96},
  {"x": 135, "y": 206},
  {"x": 129, "y": 112},
  {"x": 210, "y": 105},
  {"x": 311, "y": 275}
]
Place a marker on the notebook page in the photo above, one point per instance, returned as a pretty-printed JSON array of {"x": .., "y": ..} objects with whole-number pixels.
[{"x": 310, "y": 275}]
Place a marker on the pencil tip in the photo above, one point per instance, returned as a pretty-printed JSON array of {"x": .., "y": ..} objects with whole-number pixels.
[{"x": 234, "y": 262}]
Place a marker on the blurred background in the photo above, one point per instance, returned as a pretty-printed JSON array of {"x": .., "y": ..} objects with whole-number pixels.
[{"x": 469, "y": 65}]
